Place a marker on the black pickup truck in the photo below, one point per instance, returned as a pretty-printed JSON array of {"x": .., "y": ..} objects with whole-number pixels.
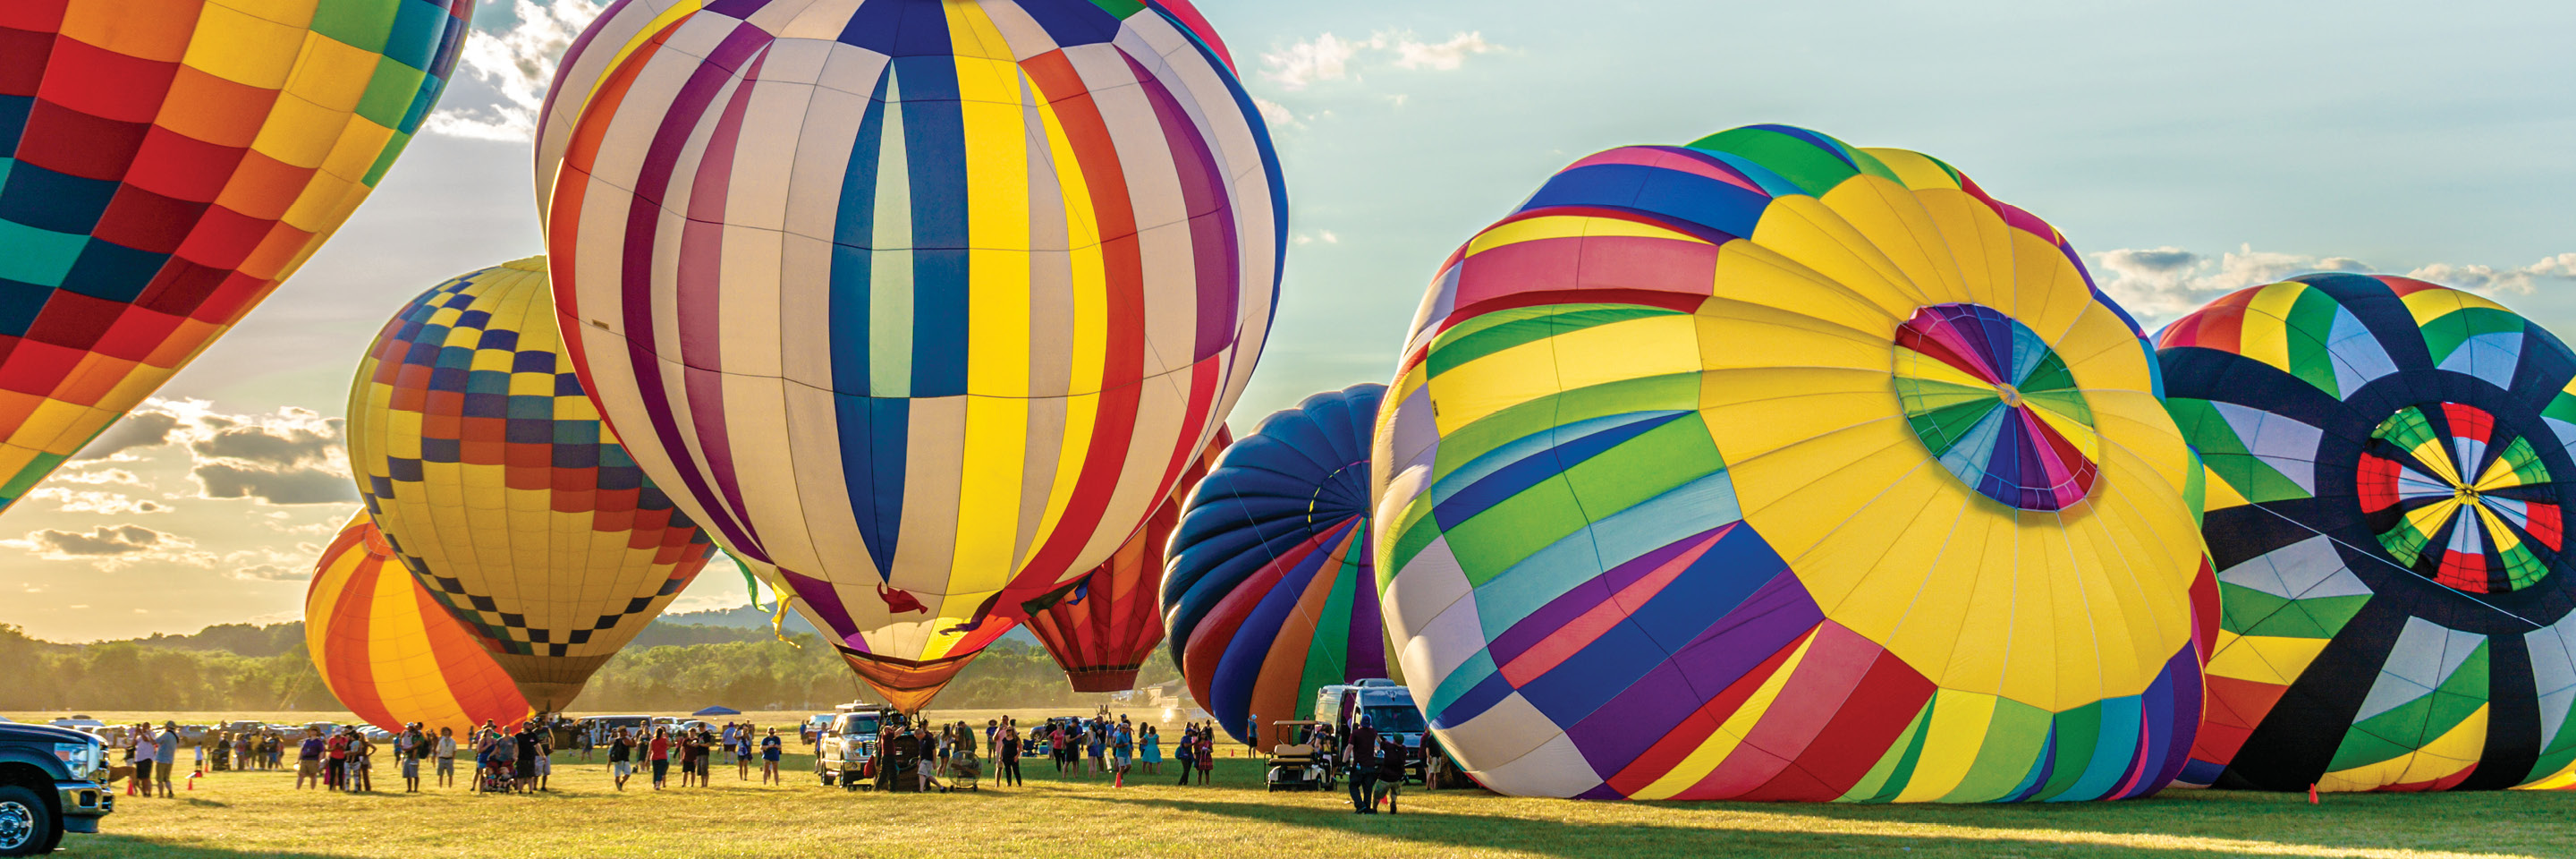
[{"x": 49, "y": 784}]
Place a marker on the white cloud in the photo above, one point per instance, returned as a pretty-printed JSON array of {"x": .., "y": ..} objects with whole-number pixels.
[
  {"x": 2170, "y": 281},
  {"x": 95, "y": 501},
  {"x": 1325, "y": 236},
  {"x": 2164, "y": 282},
  {"x": 112, "y": 547},
  {"x": 519, "y": 64},
  {"x": 1329, "y": 57},
  {"x": 1413, "y": 53},
  {"x": 1276, "y": 114},
  {"x": 2492, "y": 279}
]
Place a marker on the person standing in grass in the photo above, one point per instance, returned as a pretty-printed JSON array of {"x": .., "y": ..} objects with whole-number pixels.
[
  {"x": 505, "y": 761},
  {"x": 1207, "y": 753},
  {"x": 1006, "y": 754},
  {"x": 446, "y": 753},
  {"x": 308, "y": 759},
  {"x": 620, "y": 751},
  {"x": 1150, "y": 743},
  {"x": 1122, "y": 749},
  {"x": 407, "y": 748},
  {"x": 742, "y": 753},
  {"x": 660, "y": 751},
  {"x": 1183, "y": 750},
  {"x": 1364, "y": 770},
  {"x": 770, "y": 748},
  {"x": 165, "y": 757}
]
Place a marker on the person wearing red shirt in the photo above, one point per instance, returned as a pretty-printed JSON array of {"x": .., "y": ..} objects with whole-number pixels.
[{"x": 660, "y": 750}]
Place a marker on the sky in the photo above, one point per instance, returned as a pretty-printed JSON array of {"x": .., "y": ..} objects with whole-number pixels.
[{"x": 2186, "y": 148}]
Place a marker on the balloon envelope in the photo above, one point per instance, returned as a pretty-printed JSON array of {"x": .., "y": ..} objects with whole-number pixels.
[
  {"x": 907, "y": 302},
  {"x": 492, "y": 477},
  {"x": 164, "y": 164},
  {"x": 1102, "y": 626},
  {"x": 1270, "y": 595},
  {"x": 2387, "y": 480},
  {"x": 390, "y": 652},
  {"x": 1769, "y": 467}
]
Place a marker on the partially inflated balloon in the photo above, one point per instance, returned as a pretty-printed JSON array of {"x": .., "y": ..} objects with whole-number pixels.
[
  {"x": 1102, "y": 626},
  {"x": 912, "y": 302},
  {"x": 2388, "y": 467},
  {"x": 1773, "y": 468},
  {"x": 164, "y": 164},
  {"x": 1270, "y": 595},
  {"x": 389, "y": 652},
  {"x": 493, "y": 479}
]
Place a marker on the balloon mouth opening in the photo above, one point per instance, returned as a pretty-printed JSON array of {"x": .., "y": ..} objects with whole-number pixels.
[
  {"x": 1995, "y": 405},
  {"x": 2454, "y": 497}
]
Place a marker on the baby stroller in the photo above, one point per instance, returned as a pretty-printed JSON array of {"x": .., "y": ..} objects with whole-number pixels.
[
  {"x": 497, "y": 778},
  {"x": 963, "y": 769}
]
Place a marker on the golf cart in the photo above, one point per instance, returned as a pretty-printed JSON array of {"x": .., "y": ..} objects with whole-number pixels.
[{"x": 1295, "y": 764}]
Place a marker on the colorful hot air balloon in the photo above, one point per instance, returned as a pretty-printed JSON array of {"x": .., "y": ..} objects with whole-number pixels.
[
  {"x": 1772, "y": 468},
  {"x": 164, "y": 164},
  {"x": 2387, "y": 509},
  {"x": 1270, "y": 595},
  {"x": 493, "y": 479},
  {"x": 389, "y": 652},
  {"x": 947, "y": 298},
  {"x": 1102, "y": 625}
]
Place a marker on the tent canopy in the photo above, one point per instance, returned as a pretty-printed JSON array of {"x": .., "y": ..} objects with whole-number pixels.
[{"x": 718, "y": 711}]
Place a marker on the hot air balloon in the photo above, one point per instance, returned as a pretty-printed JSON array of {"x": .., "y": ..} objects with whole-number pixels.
[
  {"x": 1270, "y": 595},
  {"x": 389, "y": 652},
  {"x": 491, "y": 476},
  {"x": 1768, "y": 467},
  {"x": 167, "y": 163},
  {"x": 2387, "y": 496},
  {"x": 950, "y": 295},
  {"x": 1102, "y": 625}
]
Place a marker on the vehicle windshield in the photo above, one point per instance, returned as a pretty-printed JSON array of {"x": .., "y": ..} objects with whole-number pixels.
[
  {"x": 859, "y": 725},
  {"x": 1395, "y": 719}
]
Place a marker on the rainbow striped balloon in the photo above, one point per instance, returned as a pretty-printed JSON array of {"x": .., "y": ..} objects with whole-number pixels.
[
  {"x": 1772, "y": 468},
  {"x": 389, "y": 651},
  {"x": 1103, "y": 625},
  {"x": 1270, "y": 596},
  {"x": 490, "y": 473},
  {"x": 164, "y": 165},
  {"x": 910, "y": 302}
]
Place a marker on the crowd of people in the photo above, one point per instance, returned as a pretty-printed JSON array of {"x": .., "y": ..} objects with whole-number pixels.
[
  {"x": 696, "y": 749},
  {"x": 519, "y": 758}
]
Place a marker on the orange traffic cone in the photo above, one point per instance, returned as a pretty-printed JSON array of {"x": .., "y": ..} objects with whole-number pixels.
[
  {"x": 193, "y": 777},
  {"x": 2312, "y": 794}
]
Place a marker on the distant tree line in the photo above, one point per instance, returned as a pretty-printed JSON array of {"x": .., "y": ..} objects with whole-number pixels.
[{"x": 670, "y": 668}]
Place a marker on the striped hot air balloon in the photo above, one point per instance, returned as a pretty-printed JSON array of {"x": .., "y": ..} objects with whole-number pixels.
[
  {"x": 911, "y": 302},
  {"x": 164, "y": 164},
  {"x": 1769, "y": 467},
  {"x": 1101, "y": 626},
  {"x": 1270, "y": 595},
  {"x": 497, "y": 485},
  {"x": 389, "y": 651}
]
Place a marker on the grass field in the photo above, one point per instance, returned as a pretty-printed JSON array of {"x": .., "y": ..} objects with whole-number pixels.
[{"x": 260, "y": 814}]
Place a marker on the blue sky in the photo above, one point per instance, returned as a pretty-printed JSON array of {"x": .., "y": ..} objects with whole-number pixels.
[{"x": 2187, "y": 148}]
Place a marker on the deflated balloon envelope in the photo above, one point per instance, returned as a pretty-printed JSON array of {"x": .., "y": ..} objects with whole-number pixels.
[
  {"x": 390, "y": 652},
  {"x": 2386, "y": 506},
  {"x": 164, "y": 164},
  {"x": 1769, "y": 467},
  {"x": 1270, "y": 595},
  {"x": 911, "y": 303},
  {"x": 496, "y": 484}
]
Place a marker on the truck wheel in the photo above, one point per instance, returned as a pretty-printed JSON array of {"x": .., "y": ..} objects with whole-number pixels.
[{"x": 27, "y": 826}]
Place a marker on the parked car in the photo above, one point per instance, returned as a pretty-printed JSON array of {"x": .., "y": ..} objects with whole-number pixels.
[
  {"x": 847, "y": 754},
  {"x": 51, "y": 782}
]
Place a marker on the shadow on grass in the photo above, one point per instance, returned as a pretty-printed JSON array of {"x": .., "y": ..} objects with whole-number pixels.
[
  {"x": 132, "y": 847},
  {"x": 2181, "y": 827}
]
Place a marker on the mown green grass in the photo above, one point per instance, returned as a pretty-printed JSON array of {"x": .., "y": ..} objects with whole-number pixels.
[{"x": 260, "y": 814}]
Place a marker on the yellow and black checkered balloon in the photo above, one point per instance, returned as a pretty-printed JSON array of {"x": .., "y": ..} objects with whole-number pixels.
[{"x": 490, "y": 473}]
